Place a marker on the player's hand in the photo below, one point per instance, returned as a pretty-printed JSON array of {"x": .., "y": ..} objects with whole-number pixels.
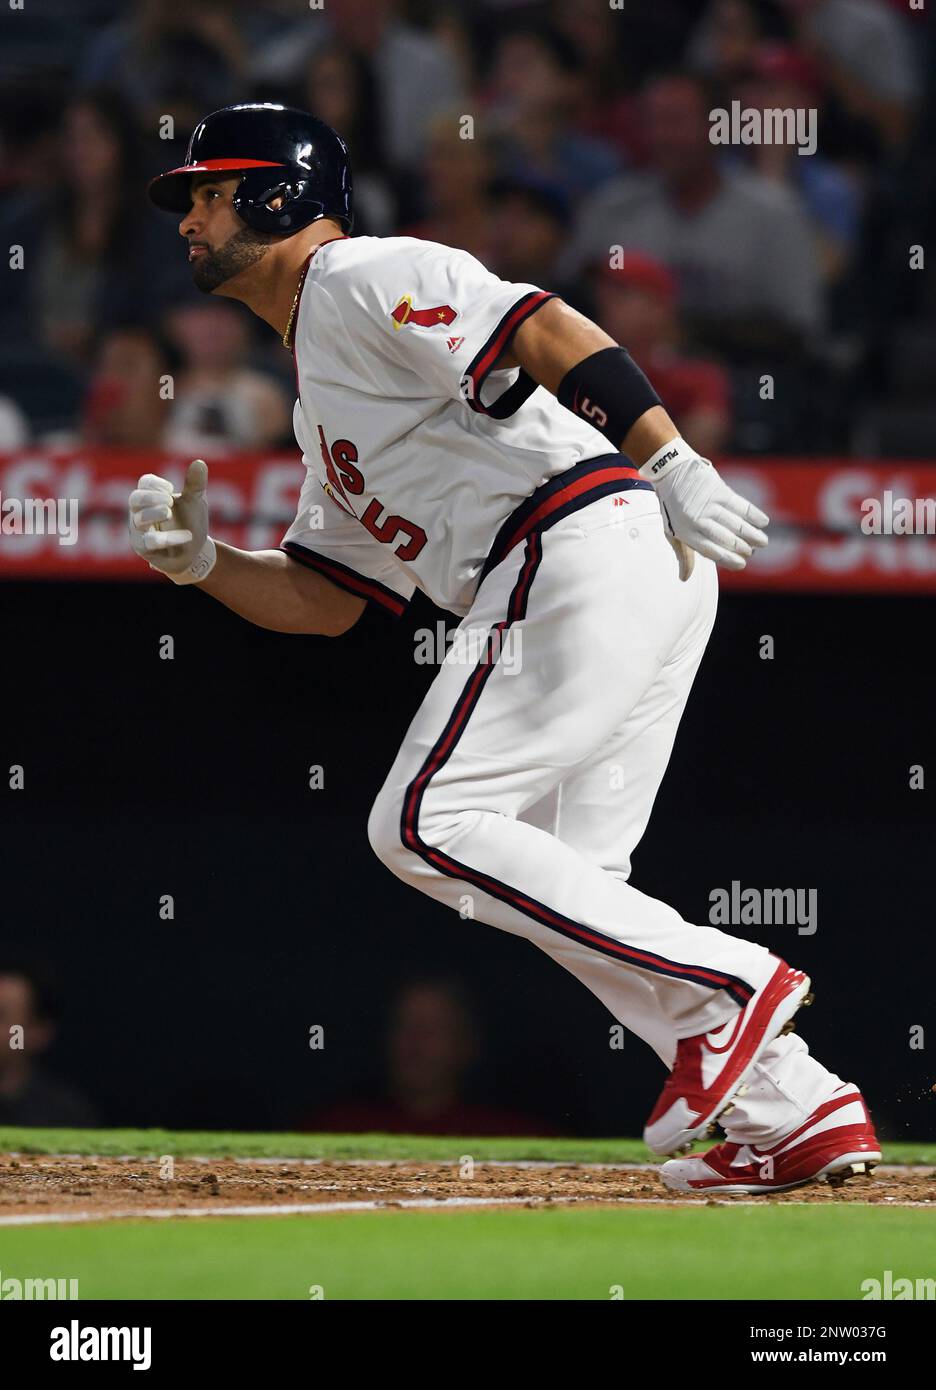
[
  {"x": 170, "y": 529},
  {"x": 701, "y": 512}
]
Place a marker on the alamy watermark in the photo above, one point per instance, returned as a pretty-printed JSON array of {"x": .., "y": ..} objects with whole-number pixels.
[
  {"x": 749, "y": 125},
  {"x": 888, "y": 515},
  {"x": 467, "y": 646},
  {"x": 40, "y": 516},
  {"x": 77, "y": 1343},
  {"x": 764, "y": 907},
  {"x": 888, "y": 1288},
  {"x": 27, "y": 1290}
]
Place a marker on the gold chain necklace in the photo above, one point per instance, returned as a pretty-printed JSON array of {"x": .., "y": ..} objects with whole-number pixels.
[{"x": 288, "y": 335}]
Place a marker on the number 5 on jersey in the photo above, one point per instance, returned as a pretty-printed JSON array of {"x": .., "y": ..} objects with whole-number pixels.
[{"x": 345, "y": 477}]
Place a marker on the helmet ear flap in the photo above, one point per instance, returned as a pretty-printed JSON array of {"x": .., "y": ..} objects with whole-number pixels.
[
  {"x": 286, "y": 191},
  {"x": 255, "y": 194},
  {"x": 262, "y": 209}
]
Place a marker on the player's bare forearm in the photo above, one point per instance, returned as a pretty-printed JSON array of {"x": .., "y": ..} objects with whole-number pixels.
[
  {"x": 268, "y": 588},
  {"x": 598, "y": 381},
  {"x": 557, "y": 338}
]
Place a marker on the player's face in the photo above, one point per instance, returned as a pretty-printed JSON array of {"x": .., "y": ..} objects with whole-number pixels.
[{"x": 220, "y": 246}]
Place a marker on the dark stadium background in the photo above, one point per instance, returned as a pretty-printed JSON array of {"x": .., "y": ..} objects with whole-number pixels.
[
  {"x": 790, "y": 772},
  {"x": 787, "y": 773}
]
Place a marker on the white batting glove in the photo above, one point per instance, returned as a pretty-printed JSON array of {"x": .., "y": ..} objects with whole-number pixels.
[
  {"x": 170, "y": 529},
  {"x": 701, "y": 511}
]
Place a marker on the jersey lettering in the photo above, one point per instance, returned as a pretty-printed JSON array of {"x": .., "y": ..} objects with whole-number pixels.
[
  {"x": 386, "y": 531},
  {"x": 343, "y": 477},
  {"x": 339, "y": 467},
  {"x": 345, "y": 454}
]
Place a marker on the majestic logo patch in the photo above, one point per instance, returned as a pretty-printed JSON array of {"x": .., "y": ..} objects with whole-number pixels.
[{"x": 404, "y": 313}]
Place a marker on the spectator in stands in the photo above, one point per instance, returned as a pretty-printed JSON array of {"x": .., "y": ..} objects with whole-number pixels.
[
  {"x": 865, "y": 48},
  {"x": 455, "y": 181},
  {"x": 173, "y": 57},
  {"x": 783, "y": 78},
  {"x": 607, "y": 107},
  {"x": 30, "y": 119},
  {"x": 416, "y": 74},
  {"x": 30, "y": 1011},
  {"x": 432, "y": 1045},
  {"x": 723, "y": 45},
  {"x": 536, "y": 86},
  {"x": 341, "y": 89},
  {"x": 220, "y": 402},
  {"x": 635, "y": 302},
  {"x": 128, "y": 403},
  {"x": 741, "y": 247},
  {"x": 88, "y": 232},
  {"x": 530, "y": 224}
]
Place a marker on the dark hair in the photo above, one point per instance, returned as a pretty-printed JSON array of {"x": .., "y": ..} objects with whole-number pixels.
[
  {"x": 364, "y": 136},
  {"x": 562, "y": 50},
  {"x": 117, "y": 114},
  {"x": 169, "y": 354},
  {"x": 540, "y": 194},
  {"x": 186, "y": 70},
  {"x": 707, "y": 87},
  {"x": 43, "y": 983}
]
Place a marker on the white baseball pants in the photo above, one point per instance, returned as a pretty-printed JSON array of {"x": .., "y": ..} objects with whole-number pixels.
[{"x": 528, "y": 775}]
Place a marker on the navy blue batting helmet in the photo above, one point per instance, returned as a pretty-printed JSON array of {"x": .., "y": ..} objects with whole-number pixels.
[{"x": 279, "y": 151}]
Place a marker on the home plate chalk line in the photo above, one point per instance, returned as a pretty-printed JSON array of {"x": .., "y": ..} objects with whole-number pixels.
[
  {"x": 405, "y": 1203},
  {"x": 72, "y": 1217},
  {"x": 409, "y": 1203}
]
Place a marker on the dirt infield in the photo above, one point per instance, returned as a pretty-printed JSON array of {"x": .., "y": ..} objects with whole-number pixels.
[{"x": 44, "y": 1187}]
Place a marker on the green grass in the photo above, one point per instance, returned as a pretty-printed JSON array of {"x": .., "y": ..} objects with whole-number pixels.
[
  {"x": 723, "y": 1252},
  {"x": 218, "y": 1144},
  {"x": 719, "y": 1252}
]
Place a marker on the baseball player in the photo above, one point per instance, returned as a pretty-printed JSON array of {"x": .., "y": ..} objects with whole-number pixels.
[{"x": 485, "y": 443}]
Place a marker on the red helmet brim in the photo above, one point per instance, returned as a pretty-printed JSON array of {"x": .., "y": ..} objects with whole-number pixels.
[{"x": 171, "y": 191}]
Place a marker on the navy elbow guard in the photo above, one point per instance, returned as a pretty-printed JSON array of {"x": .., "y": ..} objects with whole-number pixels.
[{"x": 608, "y": 390}]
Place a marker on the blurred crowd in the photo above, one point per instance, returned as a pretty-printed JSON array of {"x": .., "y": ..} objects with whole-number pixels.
[
  {"x": 772, "y": 297},
  {"x": 422, "y": 1075},
  {"x": 31, "y": 1006}
]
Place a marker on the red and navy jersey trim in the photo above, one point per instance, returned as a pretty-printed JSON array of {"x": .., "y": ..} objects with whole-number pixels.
[
  {"x": 737, "y": 989},
  {"x": 347, "y": 578},
  {"x": 561, "y": 495},
  {"x": 483, "y": 364}
]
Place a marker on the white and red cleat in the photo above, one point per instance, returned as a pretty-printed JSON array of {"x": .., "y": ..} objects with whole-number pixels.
[
  {"x": 836, "y": 1142},
  {"x": 710, "y": 1068}
]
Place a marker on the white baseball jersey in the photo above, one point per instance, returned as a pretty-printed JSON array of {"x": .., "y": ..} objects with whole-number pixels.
[
  {"x": 420, "y": 454},
  {"x": 522, "y": 785}
]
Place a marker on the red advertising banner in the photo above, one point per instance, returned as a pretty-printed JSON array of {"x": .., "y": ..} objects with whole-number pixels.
[
  {"x": 253, "y": 499},
  {"x": 63, "y": 516},
  {"x": 821, "y": 512}
]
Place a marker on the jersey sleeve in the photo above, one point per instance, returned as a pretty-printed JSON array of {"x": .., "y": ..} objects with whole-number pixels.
[
  {"x": 441, "y": 320},
  {"x": 325, "y": 538}
]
